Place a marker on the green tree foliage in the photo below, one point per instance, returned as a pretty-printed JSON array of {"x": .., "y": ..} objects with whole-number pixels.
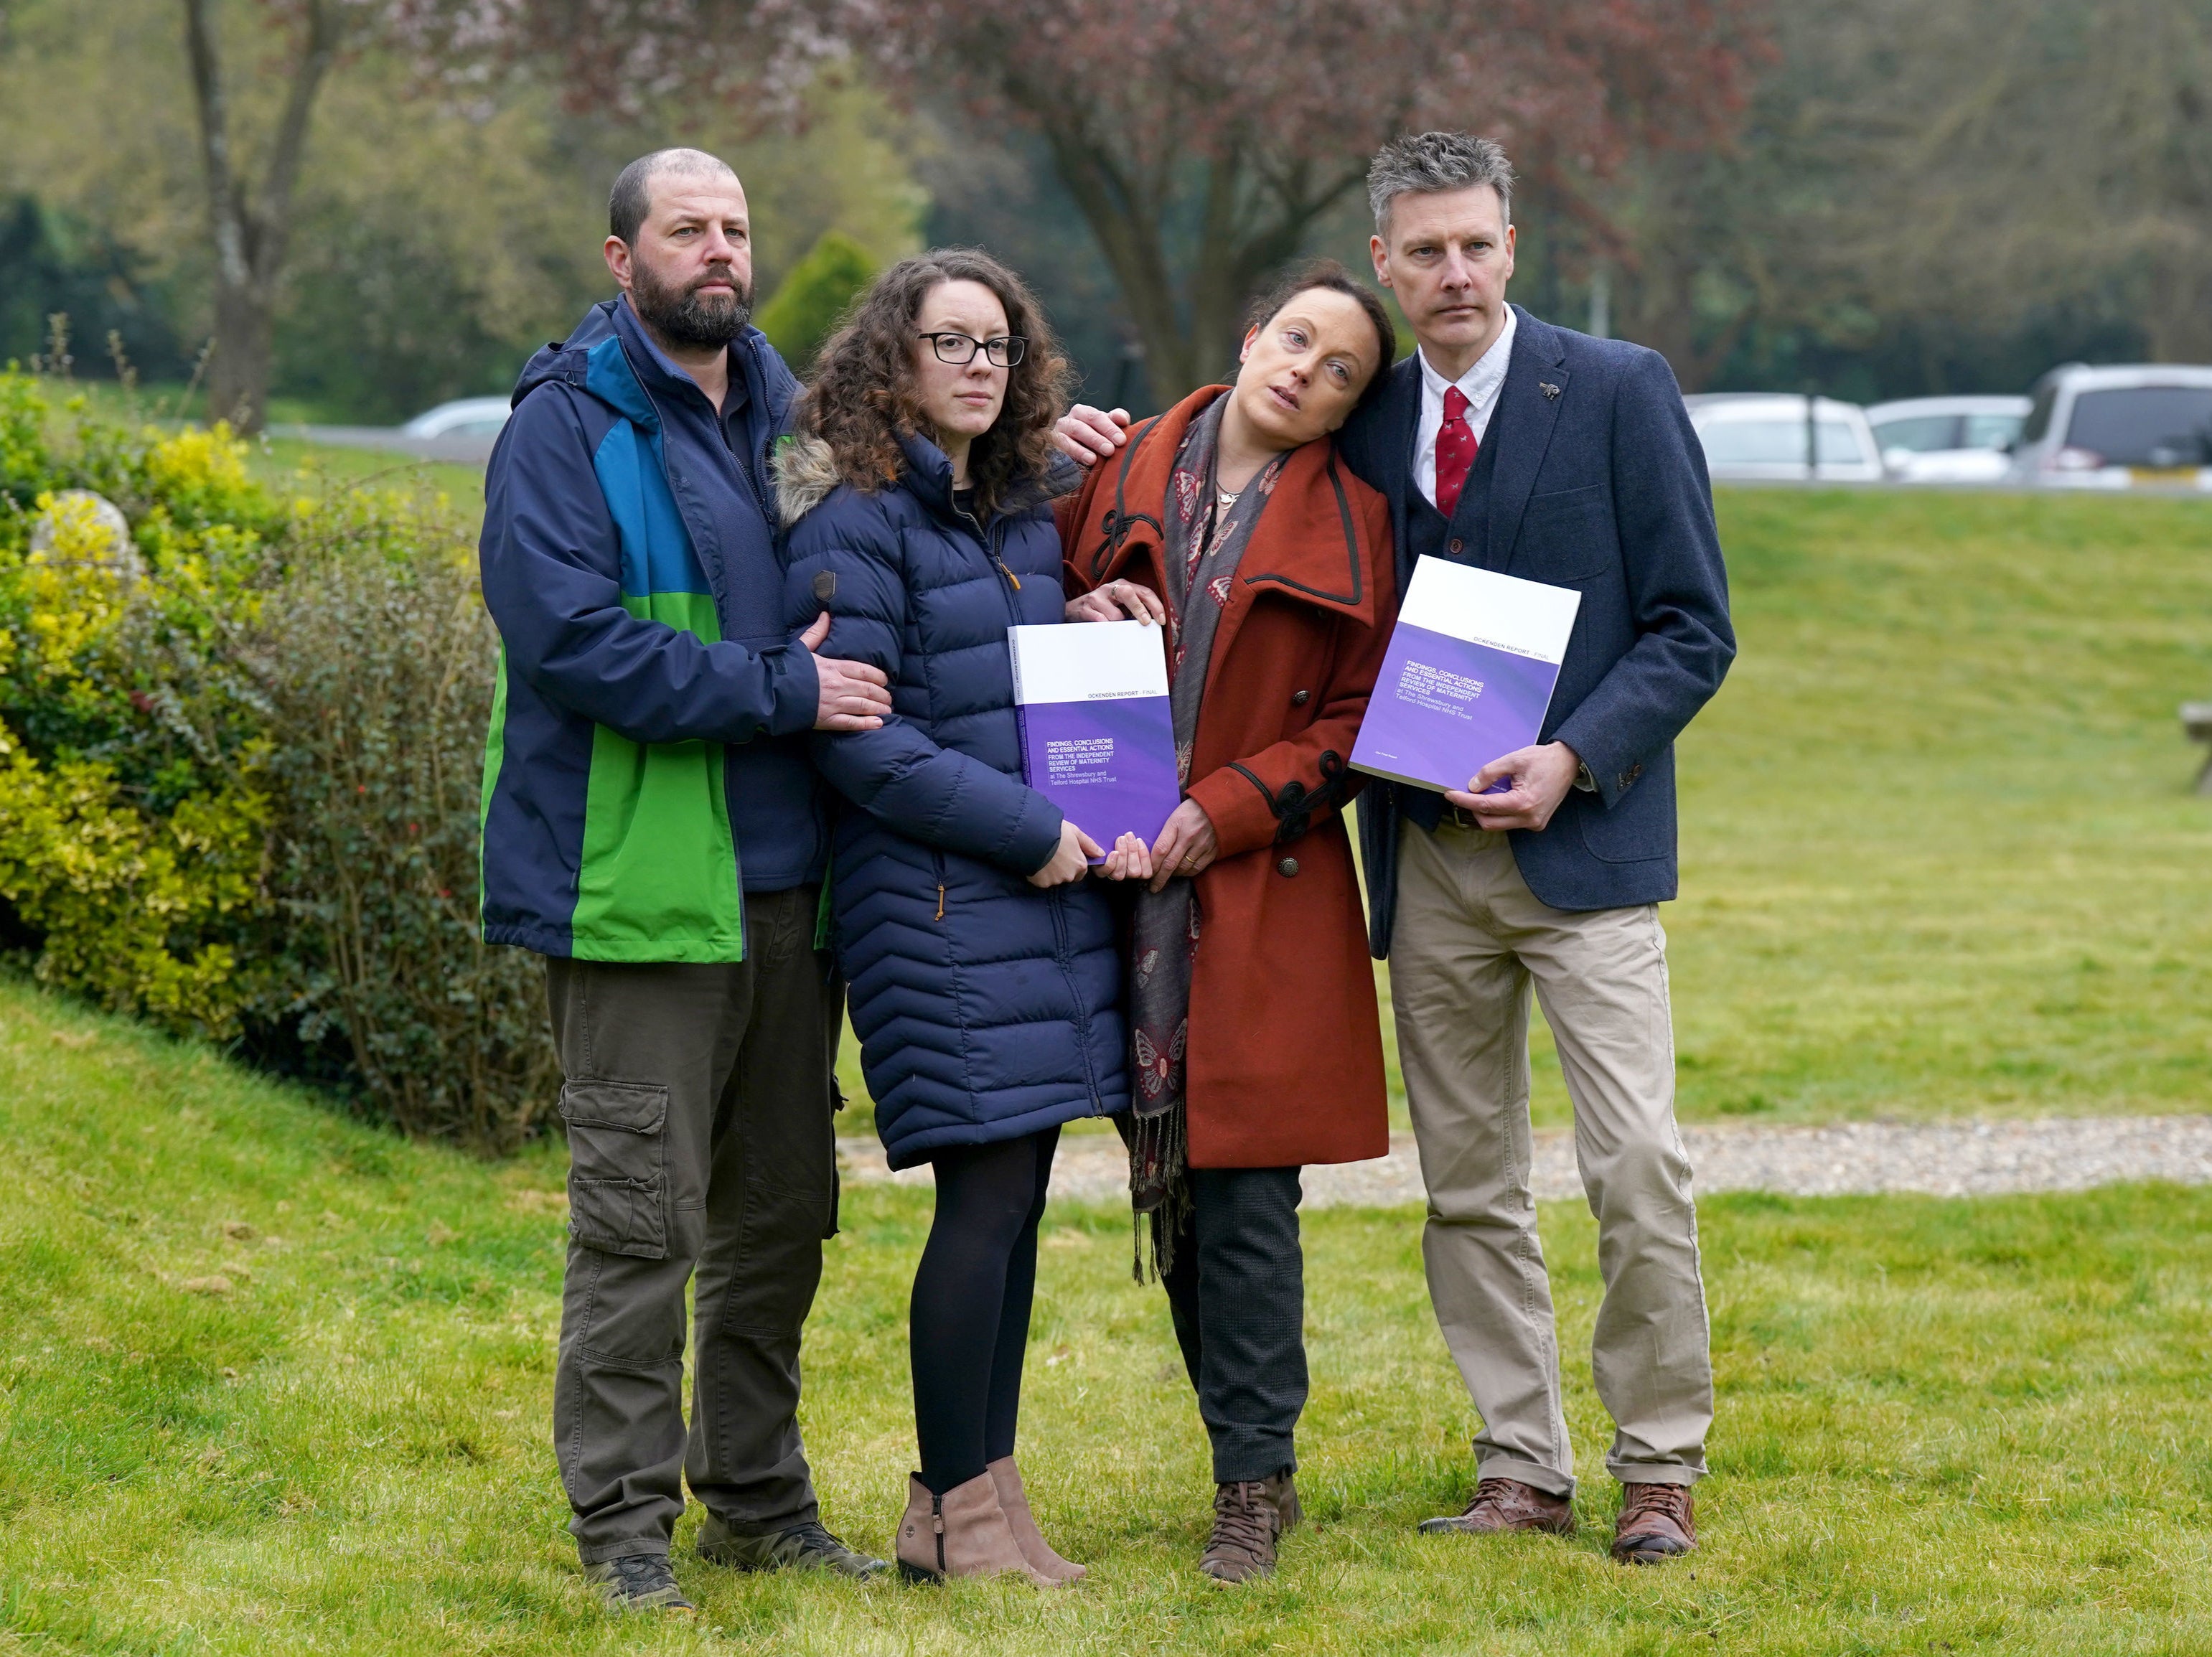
[
  {"x": 814, "y": 295},
  {"x": 442, "y": 233},
  {"x": 50, "y": 266},
  {"x": 1927, "y": 195}
]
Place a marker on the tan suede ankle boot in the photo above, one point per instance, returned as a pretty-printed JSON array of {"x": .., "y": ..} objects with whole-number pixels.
[
  {"x": 1014, "y": 1502},
  {"x": 962, "y": 1533}
]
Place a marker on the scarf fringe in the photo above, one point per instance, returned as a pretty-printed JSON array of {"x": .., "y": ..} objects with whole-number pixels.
[{"x": 1159, "y": 1188}]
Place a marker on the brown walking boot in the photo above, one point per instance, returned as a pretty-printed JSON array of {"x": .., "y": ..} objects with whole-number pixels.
[
  {"x": 1014, "y": 1502},
  {"x": 1657, "y": 1522},
  {"x": 962, "y": 1533},
  {"x": 1506, "y": 1504},
  {"x": 1250, "y": 1516}
]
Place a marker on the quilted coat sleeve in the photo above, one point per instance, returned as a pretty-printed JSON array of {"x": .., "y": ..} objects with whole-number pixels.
[
  {"x": 846, "y": 559},
  {"x": 552, "y": 579},
  {"x": 1278, "y": 793}
]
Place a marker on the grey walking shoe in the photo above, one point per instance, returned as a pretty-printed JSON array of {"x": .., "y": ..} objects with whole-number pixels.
[
  {"x": 801, "y": 1547},
  {"x": 639, "y": 1581}
]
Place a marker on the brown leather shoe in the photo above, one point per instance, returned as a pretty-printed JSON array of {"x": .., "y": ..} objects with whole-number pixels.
[
  {"x": 1506, "y": 1504},
  {"x": 1014, "y": 1502},
  {"x": 1250, "y": 1516},
  {"x": 962, "y": 1533},
  {"x": 1657, "y": 1522}
]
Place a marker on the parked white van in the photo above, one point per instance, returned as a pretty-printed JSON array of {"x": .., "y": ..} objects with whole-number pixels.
[{"x": 2111, "y": 428}]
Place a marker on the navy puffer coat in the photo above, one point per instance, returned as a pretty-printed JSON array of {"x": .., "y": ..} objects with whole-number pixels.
[{"x": 986, "y": 1008}]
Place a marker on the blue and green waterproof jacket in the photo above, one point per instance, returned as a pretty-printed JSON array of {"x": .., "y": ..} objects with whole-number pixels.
[{"x": 648, "y": 761}]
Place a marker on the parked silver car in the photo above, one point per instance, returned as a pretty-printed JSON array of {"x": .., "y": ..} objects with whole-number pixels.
[
  {"x": 470, "y": 417},
  {"x": 1760, "y": 436},
  {"x": 2111, "y": 429},
  {"x": 1948, "y": 439}
]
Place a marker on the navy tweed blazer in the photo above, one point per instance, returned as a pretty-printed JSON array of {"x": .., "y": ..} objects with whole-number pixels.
[{"x": 1599, "y": 485}]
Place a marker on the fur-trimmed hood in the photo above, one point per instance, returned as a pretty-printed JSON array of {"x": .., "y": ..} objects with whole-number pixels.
[{"x": 806, "y": 475}]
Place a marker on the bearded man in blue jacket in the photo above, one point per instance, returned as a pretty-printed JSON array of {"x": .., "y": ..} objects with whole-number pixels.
[{"x": 652, "y": 827}]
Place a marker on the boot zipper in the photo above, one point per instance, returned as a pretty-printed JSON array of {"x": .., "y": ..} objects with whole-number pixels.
[{"x": 937, "y": 1524}]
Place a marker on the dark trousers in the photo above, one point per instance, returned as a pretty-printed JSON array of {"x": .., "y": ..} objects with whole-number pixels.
[
  {"x": 698, "y": 1103},
  {"x": 1236, "y": 1291}
]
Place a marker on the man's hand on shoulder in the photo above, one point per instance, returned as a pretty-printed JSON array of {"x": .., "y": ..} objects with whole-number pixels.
[
  {"x": 1087, "y": 435},
  {"x": 1540, "y": 778},
  {"x": 854, "y": 695}
]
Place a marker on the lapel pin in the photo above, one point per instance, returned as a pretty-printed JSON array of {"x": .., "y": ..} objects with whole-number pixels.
[{"x": 1550, "y": 390}]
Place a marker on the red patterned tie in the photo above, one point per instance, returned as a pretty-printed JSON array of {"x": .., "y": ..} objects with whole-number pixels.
[{"x": 1455, "y": 447}]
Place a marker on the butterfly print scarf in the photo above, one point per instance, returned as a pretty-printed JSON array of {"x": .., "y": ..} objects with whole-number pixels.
[{"x": 1203, "y": 546}]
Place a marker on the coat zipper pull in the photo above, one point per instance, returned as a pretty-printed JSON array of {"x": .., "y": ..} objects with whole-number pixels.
[
  {"x": 940, "y": 901},
  {"x": 1007, "y": 573}
]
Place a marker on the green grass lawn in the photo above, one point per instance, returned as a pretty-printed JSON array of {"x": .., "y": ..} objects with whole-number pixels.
[
  {"x": 274, "y": 1381},
  {"x": 1940, "y": 855}
]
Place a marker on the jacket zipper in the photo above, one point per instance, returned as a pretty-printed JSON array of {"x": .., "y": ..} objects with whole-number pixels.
[
  {"x": 1075, "y": 992},
  {"x": 739, "y": 463},
  {"x": 990, "y": 540}
]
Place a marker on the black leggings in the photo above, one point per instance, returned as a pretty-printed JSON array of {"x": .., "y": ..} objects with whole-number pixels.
[{"x": 968, "y": 1322}]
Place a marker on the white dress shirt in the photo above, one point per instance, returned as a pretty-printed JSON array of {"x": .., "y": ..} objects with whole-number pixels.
[{"x": 1479, "y": 386}]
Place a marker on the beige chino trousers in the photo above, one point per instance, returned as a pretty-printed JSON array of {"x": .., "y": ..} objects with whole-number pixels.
[{"x": 1469, "y": 942}]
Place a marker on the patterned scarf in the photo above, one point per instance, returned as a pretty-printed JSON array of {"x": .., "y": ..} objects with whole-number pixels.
[{"x": 1204, "y": 539}]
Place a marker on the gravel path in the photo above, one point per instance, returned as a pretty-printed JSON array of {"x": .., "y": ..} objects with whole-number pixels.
[{"x": 1944, "y": 1159}]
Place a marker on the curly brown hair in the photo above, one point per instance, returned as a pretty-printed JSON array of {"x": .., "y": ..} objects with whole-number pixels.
[{"x": 863, "y": 399}]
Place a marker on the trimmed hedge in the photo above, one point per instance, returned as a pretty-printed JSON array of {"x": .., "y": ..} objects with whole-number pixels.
[{"x": 239, "y": 763}]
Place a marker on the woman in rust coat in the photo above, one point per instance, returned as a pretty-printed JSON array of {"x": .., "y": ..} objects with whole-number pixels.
[{"x": 1251, "y": 997}]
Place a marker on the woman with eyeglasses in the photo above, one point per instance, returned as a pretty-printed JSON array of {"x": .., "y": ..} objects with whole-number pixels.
[{"x": 984, "y": 978}]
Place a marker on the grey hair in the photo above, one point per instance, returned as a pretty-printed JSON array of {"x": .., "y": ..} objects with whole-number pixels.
[
  {"x": 1431, "y": 162},
  {"x": 631, "y": 198}
]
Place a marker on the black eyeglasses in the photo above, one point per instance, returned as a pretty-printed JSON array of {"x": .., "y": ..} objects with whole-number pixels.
[{"x": 960, "y": 349}]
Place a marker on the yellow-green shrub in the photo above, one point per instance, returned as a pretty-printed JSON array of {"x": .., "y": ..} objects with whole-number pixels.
[
  {"x": 239, "y": 768},
  {"x": 133, "y": 909}
]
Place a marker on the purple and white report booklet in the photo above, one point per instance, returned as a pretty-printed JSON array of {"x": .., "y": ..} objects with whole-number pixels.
[
  {"x": 1097, "y": 736},
  {"x": 1468, "y": 676}
]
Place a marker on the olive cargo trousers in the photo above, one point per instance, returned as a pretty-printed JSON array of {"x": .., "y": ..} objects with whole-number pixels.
[{"x": 699, "y": 1104}]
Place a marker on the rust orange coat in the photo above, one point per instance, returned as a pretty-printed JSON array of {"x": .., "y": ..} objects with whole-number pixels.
[{"x": 1285, "y": 1062}]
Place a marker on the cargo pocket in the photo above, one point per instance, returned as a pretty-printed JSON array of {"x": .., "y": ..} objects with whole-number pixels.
[{"x": 617, "y": 1178}]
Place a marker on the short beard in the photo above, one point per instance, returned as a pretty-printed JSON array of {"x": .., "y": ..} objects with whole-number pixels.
[{"x": 684, "y": 316}]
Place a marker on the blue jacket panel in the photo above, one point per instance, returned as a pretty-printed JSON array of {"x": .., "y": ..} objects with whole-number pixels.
[
  {"x": 626, "y": 609},
  {"x": 1599, "y": 485},
  {"x": 986, "y": 1009}
]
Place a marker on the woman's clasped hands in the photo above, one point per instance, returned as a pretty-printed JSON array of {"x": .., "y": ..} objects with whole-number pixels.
[{"x": 1185, "y": 847}]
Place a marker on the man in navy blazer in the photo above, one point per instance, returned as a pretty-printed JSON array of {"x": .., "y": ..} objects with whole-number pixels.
[{"x": 1509, "y": 444}]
